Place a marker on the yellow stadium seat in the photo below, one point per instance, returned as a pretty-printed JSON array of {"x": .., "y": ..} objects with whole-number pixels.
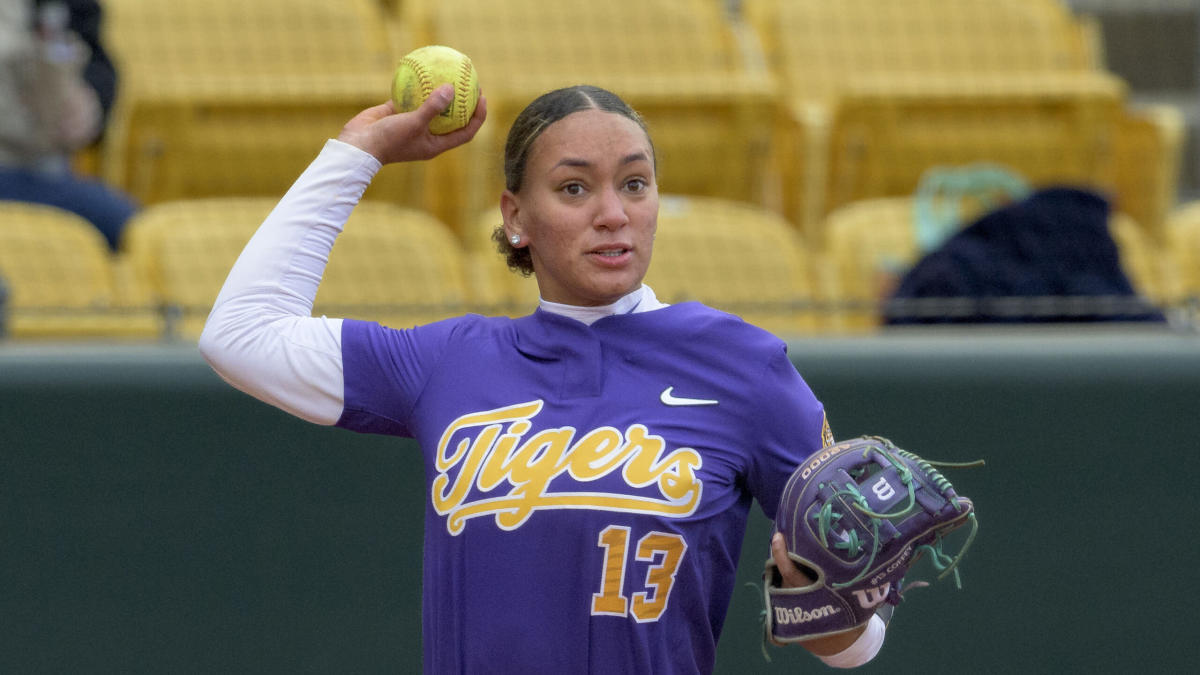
[
  {"x": 1148, "y": 155},
  {"x": 823, "y": 43},
  {"x": 680, "y": 63},
  {"x": 1147, "y": 261},
  {"x": 1183, "y": 237},
  {"x": 413, "y": 20},
  {"x": 1051, "y": 130},
  {"x": 184, "y": 249},
  {"x": 496, "y": 289},
  {"x": 881, "y": 90},
  {"x": 394, "y": 265},
  {"x": 737, "y": 257},
  {"x": 235, "y": 97},
  {"x": 872, "y": 243},
  {"x": 398, "y": 266},
  {"x": 63, "y": 281}
]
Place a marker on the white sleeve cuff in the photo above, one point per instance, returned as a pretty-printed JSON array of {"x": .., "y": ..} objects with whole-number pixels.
[{"x": 864, "y": 648}]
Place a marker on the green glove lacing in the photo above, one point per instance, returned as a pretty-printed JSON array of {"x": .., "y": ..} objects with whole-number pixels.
[{"x": 827, "y": 518}]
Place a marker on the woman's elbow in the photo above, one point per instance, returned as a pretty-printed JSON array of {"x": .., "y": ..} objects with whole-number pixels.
[{"x": 215, "y": 342}]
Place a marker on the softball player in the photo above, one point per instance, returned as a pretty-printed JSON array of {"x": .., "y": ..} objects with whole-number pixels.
[{"x": 589, "y": 467}]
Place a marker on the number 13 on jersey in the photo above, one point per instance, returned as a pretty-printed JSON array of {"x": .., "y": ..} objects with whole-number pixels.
[{"x": 661, "y": 551}]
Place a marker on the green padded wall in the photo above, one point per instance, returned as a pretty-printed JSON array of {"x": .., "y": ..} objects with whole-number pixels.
[{"x": 154, "y": 520}]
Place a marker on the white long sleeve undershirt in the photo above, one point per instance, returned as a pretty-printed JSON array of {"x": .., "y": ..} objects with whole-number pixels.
[
  {"x": 260, "y": 335},
  {"x": 862, "y": 650}
]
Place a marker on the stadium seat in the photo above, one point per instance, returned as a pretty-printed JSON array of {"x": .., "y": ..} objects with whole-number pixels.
[
  {"x": 872, "y": 36},
  {"x": 871, "y": 244},
  {"x": 737, "y": 257},
  {"x": 398, "y": 266},
  {"x": 394, "y": 265},
  {"x": 183, "y": 250},
  {"x": 412, "y": 19},
  {"x": 881, "y": 90},
  {"x": 1147, "y": 261},
  {"x": 1183, "y": 237},
  {"x": 681, "y": 63},
  {"x": 63, "y": 281},
  {"x": 235, "y": 97},
  {"x": 1148, "y": 156},
  {"x": 495, "y": 289}
]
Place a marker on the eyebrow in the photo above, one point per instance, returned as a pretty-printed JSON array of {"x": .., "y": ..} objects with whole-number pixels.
[{"x": 627, "y": 159}]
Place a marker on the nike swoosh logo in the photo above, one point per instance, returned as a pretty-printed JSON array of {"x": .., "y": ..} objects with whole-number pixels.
[{"x": 669, "y": 398}]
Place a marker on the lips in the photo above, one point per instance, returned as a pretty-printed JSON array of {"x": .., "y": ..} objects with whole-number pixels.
[{"x": 611, "y": 255}]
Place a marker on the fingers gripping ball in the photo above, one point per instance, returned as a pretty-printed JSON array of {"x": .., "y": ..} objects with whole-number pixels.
[
  {"x": 427, "y": 68},
  {"x": 855, "y": 517}
]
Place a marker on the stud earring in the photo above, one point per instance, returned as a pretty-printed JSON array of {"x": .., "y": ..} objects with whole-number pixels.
[{"x": 515, "y": 239}]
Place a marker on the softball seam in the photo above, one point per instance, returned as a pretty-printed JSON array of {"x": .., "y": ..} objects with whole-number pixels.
[
  {"x": 461, "y": 92},
  {"x": 422, "y": 76}
]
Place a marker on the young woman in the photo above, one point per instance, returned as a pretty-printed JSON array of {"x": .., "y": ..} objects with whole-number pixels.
[{"x": 589, "y": 467}]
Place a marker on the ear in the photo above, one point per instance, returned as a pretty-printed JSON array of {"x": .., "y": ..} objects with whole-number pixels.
[{"x": 510, "y": 209}]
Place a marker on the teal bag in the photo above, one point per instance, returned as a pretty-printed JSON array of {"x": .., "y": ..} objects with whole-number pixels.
[{"x": 943, "y": 192}]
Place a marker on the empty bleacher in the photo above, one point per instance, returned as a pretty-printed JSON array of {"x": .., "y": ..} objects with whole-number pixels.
[{"x": 809, "y": 114}]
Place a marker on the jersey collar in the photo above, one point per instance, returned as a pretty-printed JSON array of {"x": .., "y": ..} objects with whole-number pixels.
[{"x": 641, "y": 299}]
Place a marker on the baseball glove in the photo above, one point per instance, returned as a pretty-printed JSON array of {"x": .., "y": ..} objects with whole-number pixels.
[{"x": 855, "y": 517}]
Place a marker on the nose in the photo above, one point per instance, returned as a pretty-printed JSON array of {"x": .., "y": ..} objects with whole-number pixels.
[{"x": 610, "y": 212}]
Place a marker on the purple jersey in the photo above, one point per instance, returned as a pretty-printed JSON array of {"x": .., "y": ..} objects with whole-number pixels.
[{"x": 588, "y": 486}]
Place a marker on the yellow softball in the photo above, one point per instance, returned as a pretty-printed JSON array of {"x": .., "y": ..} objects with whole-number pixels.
[{"x": 427, "y": 68}]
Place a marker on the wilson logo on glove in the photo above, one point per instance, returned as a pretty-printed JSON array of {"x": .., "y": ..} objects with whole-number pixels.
[
  {"x": 871, "y": 598},
  {"x": 798, "y": 615}
]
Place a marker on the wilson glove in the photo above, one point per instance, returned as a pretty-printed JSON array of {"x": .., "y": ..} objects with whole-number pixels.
[{"x": 855, "y": 517}]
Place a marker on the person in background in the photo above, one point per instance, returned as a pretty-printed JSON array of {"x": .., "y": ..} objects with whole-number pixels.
[{"x": 57, "y": 86}]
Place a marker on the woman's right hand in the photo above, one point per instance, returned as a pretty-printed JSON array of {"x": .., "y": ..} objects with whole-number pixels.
[{"x": 405, "y": 137}]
